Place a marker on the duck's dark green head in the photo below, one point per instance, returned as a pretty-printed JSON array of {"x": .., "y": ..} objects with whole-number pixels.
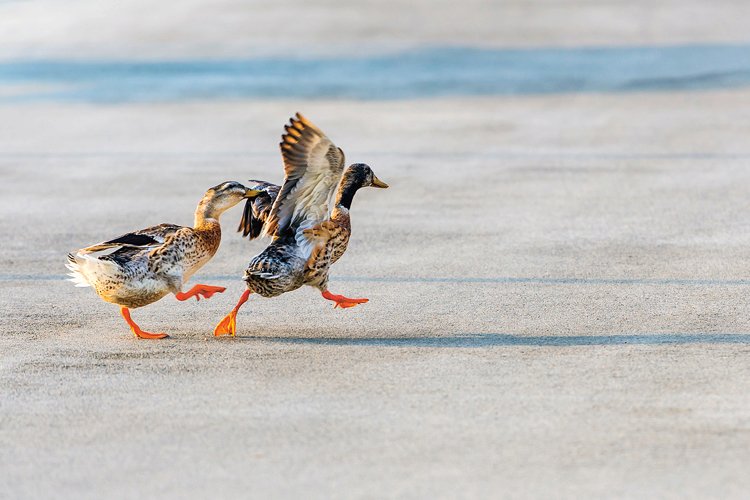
[{"x": 356, "y": 176}]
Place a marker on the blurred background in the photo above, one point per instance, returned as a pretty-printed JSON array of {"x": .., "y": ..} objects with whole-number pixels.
[{"x": 130, "y": 51}]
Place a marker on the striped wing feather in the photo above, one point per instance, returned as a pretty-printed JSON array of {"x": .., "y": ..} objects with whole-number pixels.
[
  {"x": 153, "y": 236},
  {"x": 313, "y": 166}
]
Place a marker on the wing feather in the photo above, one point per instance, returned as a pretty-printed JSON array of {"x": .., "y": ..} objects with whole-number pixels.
[
  {"x": 313, "y": 166},
  {"x": 144, "y": 238},
  {"x": 258, "y": 209}
]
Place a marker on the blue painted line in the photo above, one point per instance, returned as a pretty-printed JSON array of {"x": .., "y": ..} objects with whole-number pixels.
[
  {"x": 424, "y": 73},
  {"x": 510, "y": 340},
  {"x": 553, "y": 281},
  {"x": 456, "y": 280},
  {"x": 32, "y": 277}
]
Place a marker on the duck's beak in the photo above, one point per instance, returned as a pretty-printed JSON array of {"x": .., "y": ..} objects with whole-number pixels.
[
  {"x": 252, "y": 193},
  {"x": 378, "y": 183}
]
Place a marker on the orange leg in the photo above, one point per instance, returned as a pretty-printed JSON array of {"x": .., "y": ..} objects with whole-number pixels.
[
  {"x": 341, "y": 301},
  {"x": 137, "y": 329},
  {"x": 228, "y": 325},
  {"x": 198, "y": 291}
]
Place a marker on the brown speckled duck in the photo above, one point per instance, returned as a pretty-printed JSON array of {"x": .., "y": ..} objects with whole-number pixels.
[
  {"x": 144, "y": 266},
  {"x": 307, "y": 237}
]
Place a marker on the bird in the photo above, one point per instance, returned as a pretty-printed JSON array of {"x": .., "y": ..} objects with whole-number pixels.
[
  {"x": 307, "y": 237},
  {"x": 143, "y": 266}
]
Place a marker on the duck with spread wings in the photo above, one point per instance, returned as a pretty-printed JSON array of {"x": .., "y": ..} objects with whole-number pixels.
[{"x": 307, "y": 237}]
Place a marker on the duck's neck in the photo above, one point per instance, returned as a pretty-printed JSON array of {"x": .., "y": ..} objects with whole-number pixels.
[
  {"x": 206, "y": 219},
  {"x": 347, "y": 189},
  {"x": 208, "y": 230}
]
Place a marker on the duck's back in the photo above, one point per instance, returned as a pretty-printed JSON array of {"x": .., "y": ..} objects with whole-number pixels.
[
  {"x": 126, "y": 275},
  {"x": 276, "y": 270}
]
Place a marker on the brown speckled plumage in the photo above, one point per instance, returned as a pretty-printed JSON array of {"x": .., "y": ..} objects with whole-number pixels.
[
  {"x": 307, "y": 240},
  {"x": 276, "y": 270},
  {"x": 335, "y": 238},
  {"x": 148, "y": 264}
]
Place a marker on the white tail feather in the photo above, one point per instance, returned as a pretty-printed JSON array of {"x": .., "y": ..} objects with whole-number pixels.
[{"x": 86, "y": 270}]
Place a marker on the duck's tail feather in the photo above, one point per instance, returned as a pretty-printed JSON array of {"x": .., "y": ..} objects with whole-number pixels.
[
  {"x": 76, "y": 276},
  {"x": 86, "y": 269}
]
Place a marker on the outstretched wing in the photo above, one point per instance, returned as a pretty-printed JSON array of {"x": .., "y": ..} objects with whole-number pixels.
[
  {"x": 258, "y": 208},
  {"x": 313, "y": 166},
  {"x": 153, "y": 236}
]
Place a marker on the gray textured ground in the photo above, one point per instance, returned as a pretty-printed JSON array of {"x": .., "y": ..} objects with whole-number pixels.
[{"x": 558, "y": 284}]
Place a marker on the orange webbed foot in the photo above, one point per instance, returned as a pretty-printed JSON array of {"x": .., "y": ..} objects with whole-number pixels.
[
  {"x": 341, "y": 301},
  {"x": 198, "y": 291},
  {"x": 148, "y": 335},
  {"x": 141, "y": 334},
  {"x": 228, "y": 325}
]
